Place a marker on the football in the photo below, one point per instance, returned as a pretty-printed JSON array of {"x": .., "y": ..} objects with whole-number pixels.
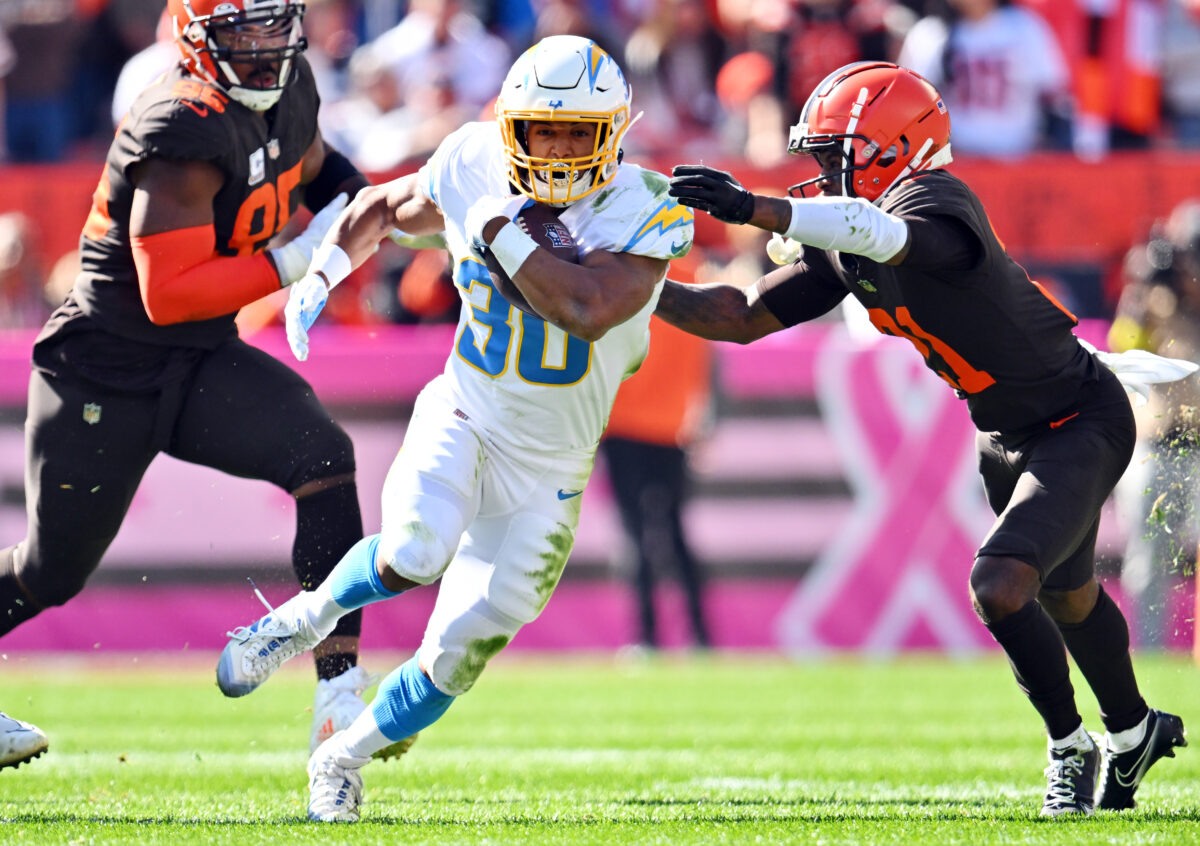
[{"x": 540, "y": 222}]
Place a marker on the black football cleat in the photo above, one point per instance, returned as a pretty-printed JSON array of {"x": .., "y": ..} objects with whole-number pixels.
[
  {"x": 1071, "y": 781},
  {"x": 1122, "y": 772}
]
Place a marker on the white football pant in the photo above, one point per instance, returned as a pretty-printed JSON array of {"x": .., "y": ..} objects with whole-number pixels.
[{"x": 494, "y": 522}]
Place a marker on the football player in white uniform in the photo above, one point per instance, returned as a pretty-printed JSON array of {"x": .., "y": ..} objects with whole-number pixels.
[{"x": 485, "y": 493}]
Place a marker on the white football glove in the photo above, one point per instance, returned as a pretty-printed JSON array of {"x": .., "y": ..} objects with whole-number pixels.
[
  {"x": 305, "y": 301},
  {"x": 485, "y": 209},
  {"x": 291, "y": 260}
]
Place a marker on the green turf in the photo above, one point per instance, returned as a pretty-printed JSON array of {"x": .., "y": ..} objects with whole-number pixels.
[{"x": 581, "y": 751}]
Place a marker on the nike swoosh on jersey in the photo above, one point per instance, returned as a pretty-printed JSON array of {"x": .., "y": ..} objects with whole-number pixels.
[
  {"x": 1054, "y": 424},
  {"x": 1127, "y": 778},
  {"x": 568, "y": 494}
]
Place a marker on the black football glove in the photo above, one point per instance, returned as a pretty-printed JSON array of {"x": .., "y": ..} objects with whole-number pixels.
[{"x": 713, "y": 191}]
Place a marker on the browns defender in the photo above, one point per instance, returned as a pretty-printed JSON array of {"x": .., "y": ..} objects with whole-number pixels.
[
  {"x": 209, "y": 165},
  {"x": 911, "y": 242}
]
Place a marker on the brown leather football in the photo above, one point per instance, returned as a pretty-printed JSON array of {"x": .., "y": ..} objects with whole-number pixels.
[{"x": 540, "y": 222}]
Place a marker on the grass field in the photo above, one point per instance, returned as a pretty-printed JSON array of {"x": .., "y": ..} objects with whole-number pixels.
[{"x": 727, "y": 749}]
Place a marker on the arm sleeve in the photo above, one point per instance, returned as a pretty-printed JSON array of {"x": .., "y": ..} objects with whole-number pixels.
[
  {"x": 181, "y": 279},
  {"x": 337, "y": 174},
  {"x": 802, "y": 291}
]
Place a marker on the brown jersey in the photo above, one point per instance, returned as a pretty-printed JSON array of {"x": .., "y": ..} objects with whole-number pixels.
[
  {"x": 981, "y": 324},
  {"x": 182, "y": 118}
]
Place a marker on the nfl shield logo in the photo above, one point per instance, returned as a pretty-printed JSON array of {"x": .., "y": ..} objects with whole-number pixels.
[
  {"x": 558, "y": 235},
  {"x": 91, "y": 413}
]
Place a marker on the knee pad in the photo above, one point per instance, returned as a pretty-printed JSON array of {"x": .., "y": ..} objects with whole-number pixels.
[
  {"x": 419, "y": 537},
  {"x": 455, "y": 655}
]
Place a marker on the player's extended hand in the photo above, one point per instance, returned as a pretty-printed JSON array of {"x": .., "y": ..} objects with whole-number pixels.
[
  {"x": 713, "y": 191},
  {"x": 486, "y": 209},
  {"x": 291, "y": 260},
  {"x": 305, "y": 301}
]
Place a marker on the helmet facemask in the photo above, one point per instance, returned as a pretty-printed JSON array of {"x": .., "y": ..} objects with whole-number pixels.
[
  {"x": 858, "y": 155},
  {"x": 563, "y": 79},
  {"x": 248, "y": 52},
  {"x": 560, "y": 181}
]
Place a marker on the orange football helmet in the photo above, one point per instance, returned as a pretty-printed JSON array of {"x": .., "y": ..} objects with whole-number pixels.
[
  {"x": 264, "y": 35},
  {"x": 886, "y": 121}
]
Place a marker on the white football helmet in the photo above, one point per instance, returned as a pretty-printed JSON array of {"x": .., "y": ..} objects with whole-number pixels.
[{"x": 563, "y": 78}]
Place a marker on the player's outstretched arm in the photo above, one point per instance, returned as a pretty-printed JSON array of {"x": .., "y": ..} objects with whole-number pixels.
[
  {"x": 372, "y": 216},
  {"x": 376, "y": 212},
  {"x": 717, "y": 311},
  {"x": 847, "y": 224}
]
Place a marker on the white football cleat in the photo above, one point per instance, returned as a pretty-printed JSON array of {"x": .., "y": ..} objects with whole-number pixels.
[
  {"x": 334, "y": 783},
  {"x": 19, "y": 741},
  {"x": 256, "y": 651},
  {"x": 339, "y": 702}
]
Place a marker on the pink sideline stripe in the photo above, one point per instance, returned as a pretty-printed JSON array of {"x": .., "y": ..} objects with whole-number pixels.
[
  {"x": 381, "y": 364},
  {"x": 581, "y": 616}
]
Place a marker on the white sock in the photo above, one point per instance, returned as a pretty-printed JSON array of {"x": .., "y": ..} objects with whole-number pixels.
[
  {"x": 1078, "y": 739},
  {"x": 1123, "y": 741},
  {"x": 325, "y": 611},
  {"x": 318, "y": 609},
  {"x": 362, "y": 738}
]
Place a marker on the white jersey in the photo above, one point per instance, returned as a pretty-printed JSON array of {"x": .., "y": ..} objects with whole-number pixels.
[{"x": 522, "y": 380}]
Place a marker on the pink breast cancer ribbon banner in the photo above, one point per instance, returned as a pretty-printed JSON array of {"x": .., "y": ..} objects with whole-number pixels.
[{"x": 895, "y": 576}]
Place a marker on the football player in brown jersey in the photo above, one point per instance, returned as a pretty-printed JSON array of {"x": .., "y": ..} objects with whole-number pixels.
[
  {"x": 143, "y": 357},
  {"x": 913, "y": 244}
]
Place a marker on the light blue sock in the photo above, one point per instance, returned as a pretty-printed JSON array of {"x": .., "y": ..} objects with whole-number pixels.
[
  {"x": 407, "y": 702},
  {"x": 354, "y": 582}
]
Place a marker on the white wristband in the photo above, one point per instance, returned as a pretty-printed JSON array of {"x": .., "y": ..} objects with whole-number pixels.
[
  {"x": 330, "y": 261},
  {"x": 511, "y": 247}
]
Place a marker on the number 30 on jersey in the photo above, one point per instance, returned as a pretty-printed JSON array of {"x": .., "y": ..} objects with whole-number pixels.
[{"x": 545, "y": 354}]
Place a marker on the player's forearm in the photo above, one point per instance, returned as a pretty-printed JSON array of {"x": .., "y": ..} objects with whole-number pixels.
[
  {"x": 360, "y": 228},
  {"x": 773, "y": 214},
  {"x": 181, "y": 278},
  {"x": 581, "y": 299},
  {"x": 409, "y": 209},
  {"x": 846, "y": 224},
  {"x": 717, "y": 311}
]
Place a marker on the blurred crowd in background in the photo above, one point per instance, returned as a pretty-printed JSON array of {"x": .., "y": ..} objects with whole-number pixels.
[
  {"x": 711, "y": 76},
  {"x": 715, "y": 80}
]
